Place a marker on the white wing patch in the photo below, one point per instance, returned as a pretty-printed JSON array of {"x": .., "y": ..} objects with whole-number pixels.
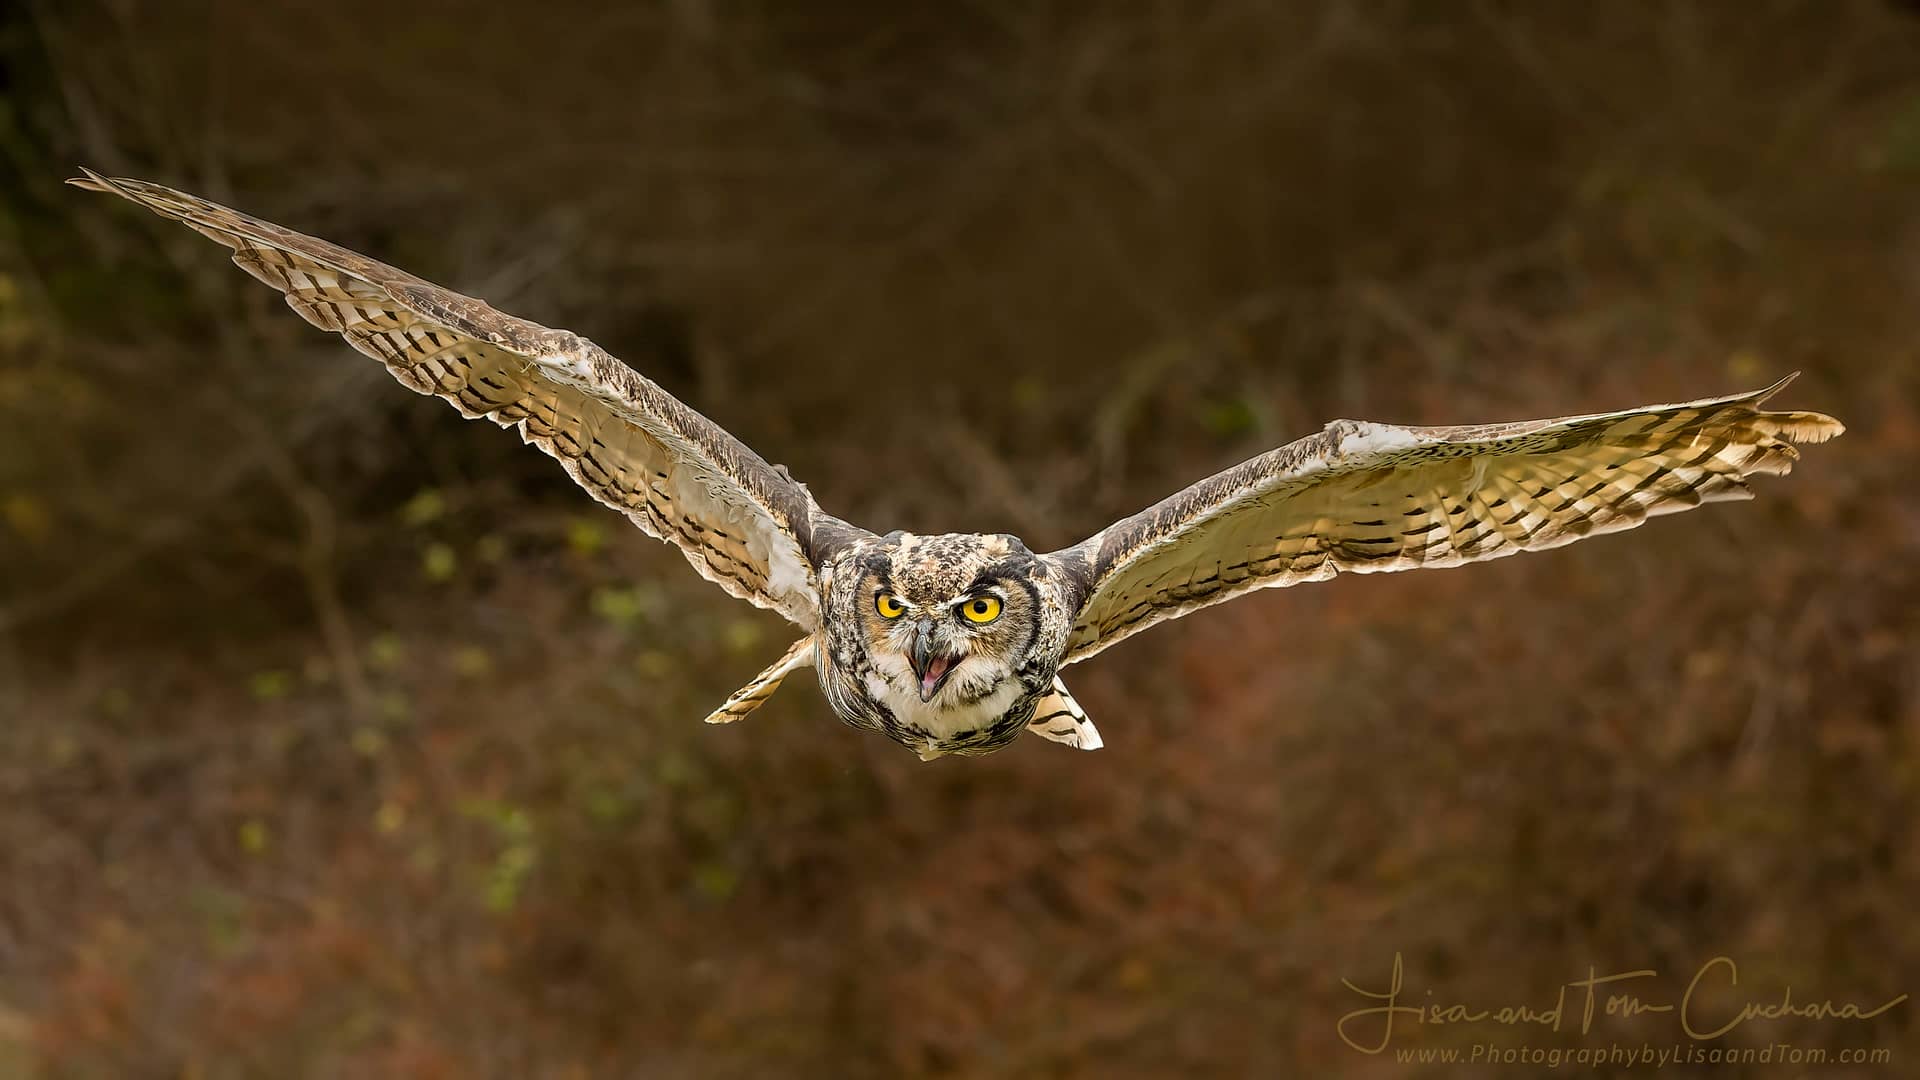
[{"x": 1359, "y": 437}]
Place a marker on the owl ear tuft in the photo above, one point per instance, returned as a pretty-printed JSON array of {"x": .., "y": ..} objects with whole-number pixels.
[{"x": 1060, "y": 718}]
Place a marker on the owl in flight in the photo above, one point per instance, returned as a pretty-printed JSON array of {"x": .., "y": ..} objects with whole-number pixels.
[{"x": 953, "y": 644}]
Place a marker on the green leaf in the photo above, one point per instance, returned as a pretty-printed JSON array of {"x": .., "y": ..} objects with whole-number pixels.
[
  {"x": 439, "y": 561},
  {"x": 254, "y": 836},
  {"x": 472, "y": 662},
  {"x": 386, "y": 651},
  {"x": 1228, "y": 419},
  {"x": 368, "y": 741},
  {"x": 424, "y": 508},
  {"x": 715, "y": 881},
  {"x": 742, "y": 635},
  {"x": 586, "y": 536},
  {"x": 270, "y": 685},
  {"x": 624, "y": 606}
]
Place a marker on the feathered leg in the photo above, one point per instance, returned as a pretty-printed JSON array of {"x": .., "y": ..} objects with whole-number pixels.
[
  {"x": 748, "y": 698},
  {"x": 1060, "y": 718}
]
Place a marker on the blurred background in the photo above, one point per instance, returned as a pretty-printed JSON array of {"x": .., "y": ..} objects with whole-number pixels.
[{"x": 342, "y": 738}]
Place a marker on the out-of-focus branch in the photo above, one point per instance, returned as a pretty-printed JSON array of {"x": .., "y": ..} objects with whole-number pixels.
[{"x": 315, "y": 557}]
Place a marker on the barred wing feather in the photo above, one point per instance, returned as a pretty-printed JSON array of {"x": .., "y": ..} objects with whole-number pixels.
[
  {"x": 1368, "y": 498},
  {"x": 740, "y": 522}
]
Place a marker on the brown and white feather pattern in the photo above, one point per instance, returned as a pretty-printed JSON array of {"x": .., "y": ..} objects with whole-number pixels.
[
  {"x": 740, "y": 522},
  {"x": 743, "y": 701},
  {"x": 1060, "y": 718},
  {"x": 1368, "y": 498},
  {"x": 1357, "y": 497}
]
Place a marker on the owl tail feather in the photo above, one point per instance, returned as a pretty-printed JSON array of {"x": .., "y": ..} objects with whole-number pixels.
[
  {"x": 749, "y": 697},
  {"x": 1060, "y": 718}
]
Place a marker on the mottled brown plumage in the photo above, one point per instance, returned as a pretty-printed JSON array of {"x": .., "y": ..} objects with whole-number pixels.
[
  {"x": 1367, "y": 498},
  {"x": 740, "y": 522},
  {"x": 952, "y": 644}
]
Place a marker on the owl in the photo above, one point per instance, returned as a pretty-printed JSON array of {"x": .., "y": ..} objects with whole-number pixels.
[{"x": 954, "y": 644}]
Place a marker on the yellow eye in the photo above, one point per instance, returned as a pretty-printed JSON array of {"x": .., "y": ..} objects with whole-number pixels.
[
  {"x": 981, "y": 609},
  {"x": 888, "y": 606}
]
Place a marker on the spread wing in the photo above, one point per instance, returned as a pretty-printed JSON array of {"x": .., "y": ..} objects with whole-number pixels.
[
  {"x": 740, "y": 522},
  {"x": 1366, "y": 498}
]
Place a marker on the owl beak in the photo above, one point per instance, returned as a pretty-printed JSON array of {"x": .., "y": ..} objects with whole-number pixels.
[{"x": 930, "y": 667}]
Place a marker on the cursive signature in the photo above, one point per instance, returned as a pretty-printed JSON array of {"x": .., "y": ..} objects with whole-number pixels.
[{"x": 1622, "y": 1002}]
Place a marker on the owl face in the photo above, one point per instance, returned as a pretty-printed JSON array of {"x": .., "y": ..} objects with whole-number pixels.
[
  {"x": 946, "y": 644},
  {"x": 947, "y": 619}
]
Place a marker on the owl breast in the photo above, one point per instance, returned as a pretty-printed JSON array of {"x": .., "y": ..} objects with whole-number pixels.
[
  {"x": 863, "y": 696},
  {"x": 945, "y": 722}
]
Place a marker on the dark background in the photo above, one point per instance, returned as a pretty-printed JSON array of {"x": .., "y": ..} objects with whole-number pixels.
[{"x": 341, "y": 738}]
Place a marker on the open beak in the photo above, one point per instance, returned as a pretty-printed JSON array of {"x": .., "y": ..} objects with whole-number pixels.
[{"x": 930, "y": 667}]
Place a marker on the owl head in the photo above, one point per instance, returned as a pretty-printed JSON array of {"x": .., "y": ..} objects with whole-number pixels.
[{"x": 948, "y": 622}]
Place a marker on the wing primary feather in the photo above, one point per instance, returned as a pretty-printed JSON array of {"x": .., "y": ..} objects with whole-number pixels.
[
  {"x": 1318, "y": 506},
  {"x": 739, "y": 522}
]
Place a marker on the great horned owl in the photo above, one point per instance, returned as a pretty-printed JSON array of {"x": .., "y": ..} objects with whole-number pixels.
[{"x": 953, "y": 644}]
